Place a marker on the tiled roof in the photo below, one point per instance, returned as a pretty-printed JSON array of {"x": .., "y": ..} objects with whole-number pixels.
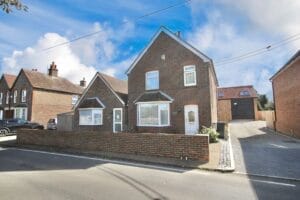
[
  {"x": 46, "y": 82},
  {"x": 119, "y": 86},
  {"x": 153, "y": 96},
  {"x": 237, "y": 92},
  {"x": 10, "y": 79}
]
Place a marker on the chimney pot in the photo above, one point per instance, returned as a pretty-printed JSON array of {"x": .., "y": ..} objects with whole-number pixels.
[
  {"x": 83, "y": 82},
  {"x": 178, "y": 34},
  {"x": 52, "y": 71}
]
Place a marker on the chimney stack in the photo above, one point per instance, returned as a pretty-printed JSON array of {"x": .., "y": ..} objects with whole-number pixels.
[
  {"x": 178, "y": 34},
  {"x": 83, "y": 83},
  {"x": 52, "y": 71}
]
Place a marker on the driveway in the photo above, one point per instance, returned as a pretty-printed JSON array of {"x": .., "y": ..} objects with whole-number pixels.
[{"x": 258, "y": 150}]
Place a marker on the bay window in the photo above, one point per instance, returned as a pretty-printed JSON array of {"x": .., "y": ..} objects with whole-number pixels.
[
  {"x": 90, "y": 116},
  {"x": 21, "y": 113},
  {"x": 153, "y": 114},
  {"x": 152, "y": 80},
  {"x": 189, "y": 75}
]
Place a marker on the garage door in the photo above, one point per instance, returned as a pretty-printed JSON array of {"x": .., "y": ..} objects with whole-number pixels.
[{"x": 242, "y": 108}]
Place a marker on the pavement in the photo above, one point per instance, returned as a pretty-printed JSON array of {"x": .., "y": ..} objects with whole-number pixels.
[
  {"x": 32, "y": 174},
  {"x": 263, "y": 152}
]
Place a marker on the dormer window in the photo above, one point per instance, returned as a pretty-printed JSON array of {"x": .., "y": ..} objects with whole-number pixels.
[
  {"x": 244, "y": 93},
  {"x": 152, "y": 80},
  {"x": 220, "y": 94},
  {"x": 190, "y": 75}
]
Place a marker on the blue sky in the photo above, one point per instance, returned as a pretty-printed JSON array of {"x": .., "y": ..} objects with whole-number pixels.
[{"x": 220, "y": 29}]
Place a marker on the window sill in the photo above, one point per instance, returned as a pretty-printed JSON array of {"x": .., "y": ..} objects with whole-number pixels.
[{"x": 158, "y": 126}]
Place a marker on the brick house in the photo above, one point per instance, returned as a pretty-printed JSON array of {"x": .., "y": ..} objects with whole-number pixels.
[
  {"x": 39, "y": 97},
  {"x": 238, "y": 102},
  {"x": 286, "y": 94},
  {"x": 6, "y": 83},
  {"x": 103, "y": 105},
  {"x": 171, "y": 87}
]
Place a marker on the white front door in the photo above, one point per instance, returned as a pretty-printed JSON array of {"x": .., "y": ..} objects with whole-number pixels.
[
  {"x": 191, "y": 119},
  {"x": 117, "y": 120}
]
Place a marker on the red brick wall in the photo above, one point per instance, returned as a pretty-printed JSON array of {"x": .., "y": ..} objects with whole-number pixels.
[
  {"x": 286, "y": 87},
  {"x": 171, "y": 81},
  {"x": 110, "y": 101},
  {"x": 156, "y": 145}
]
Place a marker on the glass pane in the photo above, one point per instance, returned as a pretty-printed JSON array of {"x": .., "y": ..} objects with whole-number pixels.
[
  {"x": 149, "y": 114},
  {"x": 85, "y": 117},
  {"x": 118, "y": 117},
  {"x": 189, "y": 78},
  {"x": 97, "y": 117},
  {"x": 118, "y": 127},
  {"x": 164, "y": 117},
  {"x": 191, "y": 116},
  {"x": 152, "y": 81}
]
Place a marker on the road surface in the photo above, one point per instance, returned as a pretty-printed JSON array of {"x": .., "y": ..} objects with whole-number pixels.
[{"x": 29, "y": 174}]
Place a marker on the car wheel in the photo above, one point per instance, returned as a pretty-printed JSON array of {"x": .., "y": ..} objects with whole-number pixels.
[{"x": 4, "y": 132}]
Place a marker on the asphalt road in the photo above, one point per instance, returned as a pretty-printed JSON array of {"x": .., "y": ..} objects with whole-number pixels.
[
  {"x": 258, "y": 150},
  {"x": 26, "y": 174}
]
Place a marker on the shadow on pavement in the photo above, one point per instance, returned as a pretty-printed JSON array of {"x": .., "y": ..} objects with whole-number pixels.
[{"x": 267, "y": 154}]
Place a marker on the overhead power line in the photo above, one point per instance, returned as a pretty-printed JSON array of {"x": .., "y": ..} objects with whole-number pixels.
[
  {"x": 136, "y": 19},
  {"x": 259, "y": 51}
]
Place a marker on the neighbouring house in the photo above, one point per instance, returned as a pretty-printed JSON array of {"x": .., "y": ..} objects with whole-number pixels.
[
  {"x": 286, "y": 94},
  {"x": 171, "y": 87},
  {"x": 6, "y": 82},
  {"x": 103, "y": 105},
  {"x": 238, "y": 102},
  {"x": 39, "y": 97}
]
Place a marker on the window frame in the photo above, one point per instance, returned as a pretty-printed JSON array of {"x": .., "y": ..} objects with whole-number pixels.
[
  {"x": 7, "y": 97},
  {"x": 1, "y": 98},
  {"x": 146, "y": 78},
  {"x": 91, "y": 124},
  {"x": 158, "y": 103},
  {"x": 244, "y": 93},
  {"x": 72, "y": 100},
  {"x": 23, "y": 97},
  {"x": 185, "y": 71},
  {"x": 22, "y": 110},
  {"x": 15, "y": 96}
]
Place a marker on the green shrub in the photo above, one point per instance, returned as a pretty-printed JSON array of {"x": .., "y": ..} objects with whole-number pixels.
[{"x": 213, "y": 134}]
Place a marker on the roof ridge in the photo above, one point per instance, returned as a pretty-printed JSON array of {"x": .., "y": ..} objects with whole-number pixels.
[{"x": 241, "y": 86}]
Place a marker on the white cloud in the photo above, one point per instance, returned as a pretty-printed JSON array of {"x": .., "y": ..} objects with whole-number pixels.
[
  {"x": 233, "y": 28},
  {"x": 76, "y": 60}
]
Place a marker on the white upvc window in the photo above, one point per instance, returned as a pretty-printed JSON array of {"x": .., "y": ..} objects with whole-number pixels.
[
  {"x": 190, "y": 75},
  {"x": 15, "y": 96},
  {"x": 7, "y": 97},
  {"x": 1, "y": 98},
  {"x": 153, "y": 114},
  {"x": 74, "y": 99},
  {"x": 23, "y": 95},
  {"x": 21, "y": 113},
  {"x": 90, "y": 116},
  {"x": 152, "y": 80}
]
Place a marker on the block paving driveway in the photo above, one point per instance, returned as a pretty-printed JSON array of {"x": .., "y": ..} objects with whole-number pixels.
[{"x": 258, "y": 150}]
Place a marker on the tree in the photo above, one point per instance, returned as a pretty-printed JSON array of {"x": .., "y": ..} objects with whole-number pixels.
[
  {"x": 7, "y": 5},
  {"x": 264, "y": 104}
]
